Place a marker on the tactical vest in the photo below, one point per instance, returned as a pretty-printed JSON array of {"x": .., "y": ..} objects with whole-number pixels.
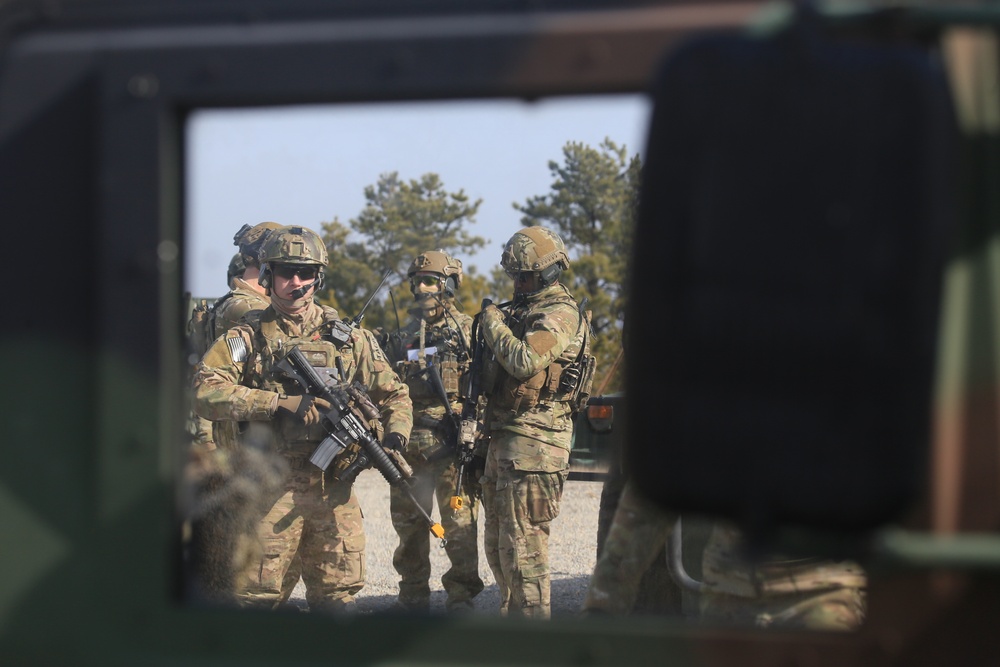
[
  {"x": 221, "y": 317},
  {"x": 567, "y": 379},
  {"x": 270, "y": 344},
  {"x": 447, "y": 355},
  {"x": 204, "y": 326}
]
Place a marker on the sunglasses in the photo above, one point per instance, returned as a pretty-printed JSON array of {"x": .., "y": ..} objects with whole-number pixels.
[
  {"x": 426, "y": 281},
  {"x": 289, "y": 271}
]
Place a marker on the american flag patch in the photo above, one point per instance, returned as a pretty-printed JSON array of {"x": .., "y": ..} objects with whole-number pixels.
[{"x": 237, "y": 349}]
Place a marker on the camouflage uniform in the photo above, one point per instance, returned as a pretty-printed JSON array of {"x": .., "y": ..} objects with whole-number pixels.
[
  {"x": 223, "y": 315},
  {"x": 433, "y": 463},
  {"x": 227, "y": 311},
  {"x": 807, "y": 593},
  {"x": 226, "y": 314},
  {"x": 531, "y": 429},
  {"x": 637, "y": 535},
  {"x": 315, "y": 527}
]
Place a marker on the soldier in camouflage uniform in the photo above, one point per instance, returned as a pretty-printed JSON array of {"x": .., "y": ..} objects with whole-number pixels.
[
  {"x": 245, "y": 294},
  {"x": 435, "y": 341},
  {"x": 636, "y": 536},
  {"x": 771, "y": 591},
  {"x": 531, "y": 343},
  {"x": 314, "y": 528},
  {"x": 218, "y": 472}
]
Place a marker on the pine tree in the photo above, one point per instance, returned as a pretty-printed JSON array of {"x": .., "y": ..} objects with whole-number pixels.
[{"x": 400, "y": 220}]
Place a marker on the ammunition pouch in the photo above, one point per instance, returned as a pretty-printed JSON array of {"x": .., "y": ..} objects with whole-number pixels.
[
  {"x": 516, "y": 395},
  {"x": 545, "y": 385},
  {"x": 450, "y": 374},
  {"x": 577, "y": 381},
  {"x": 420, "y": 387}
]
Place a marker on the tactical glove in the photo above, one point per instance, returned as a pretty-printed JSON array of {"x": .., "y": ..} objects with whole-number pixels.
[
  {"x": 396, "y": 441},
  {"x": 306, "y": 408},
  {"x": 491, "y": 314}
]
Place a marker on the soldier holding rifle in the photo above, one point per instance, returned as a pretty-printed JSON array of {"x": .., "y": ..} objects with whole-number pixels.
[
  {"x": 432, "y": 355},
  {"x": 537, "y": 373},
  {"x": 314, "y": 528}
]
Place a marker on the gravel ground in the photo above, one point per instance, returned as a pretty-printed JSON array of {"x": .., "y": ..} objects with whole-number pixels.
[{"x": 572, "y": 547}]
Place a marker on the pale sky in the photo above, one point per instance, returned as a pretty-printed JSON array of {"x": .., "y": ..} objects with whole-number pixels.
[{"x": 306, "y": 165}]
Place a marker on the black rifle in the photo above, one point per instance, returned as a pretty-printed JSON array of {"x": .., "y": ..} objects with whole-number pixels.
[
  {"x": 451, "y": 422},
  {"x": 345, "y": 422},
  {"x": 468, "y": 428}
]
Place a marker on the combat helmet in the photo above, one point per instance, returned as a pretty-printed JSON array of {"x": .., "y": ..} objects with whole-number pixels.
[
  {"x": 250, "y": 239},
  {"x": 236, "y": 268},
  {"x": 536, "y": 249},
  {"x": 440, "y": 262},
  {"x": 292, "y": 245}
]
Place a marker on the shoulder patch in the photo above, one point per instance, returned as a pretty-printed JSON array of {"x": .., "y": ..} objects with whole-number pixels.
[
  {"x": 237, "y": 349},
  {"x": 377, "y": 353},
  {"x": 239, "y": 340}
]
